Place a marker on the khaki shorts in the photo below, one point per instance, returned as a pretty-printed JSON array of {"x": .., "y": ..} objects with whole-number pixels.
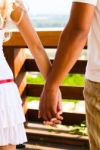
[{"x": 92, "y": 101}]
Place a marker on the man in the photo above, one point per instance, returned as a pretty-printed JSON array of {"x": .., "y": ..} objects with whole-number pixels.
[{"x": 84, "y": 17}]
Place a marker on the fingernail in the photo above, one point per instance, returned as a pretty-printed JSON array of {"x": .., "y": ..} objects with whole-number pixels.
[
  {"x": 38, "y": 116},
  {"x": 53, "y": 119}
]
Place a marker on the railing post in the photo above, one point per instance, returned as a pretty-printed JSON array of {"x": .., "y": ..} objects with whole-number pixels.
[
  {"x": 9, "y": 54},
  {"x": 20, "y": 74},
  {"x": 16, "y": 59}
]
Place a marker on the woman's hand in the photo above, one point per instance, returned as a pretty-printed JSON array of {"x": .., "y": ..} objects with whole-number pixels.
[{"x": 50, "y": 108}]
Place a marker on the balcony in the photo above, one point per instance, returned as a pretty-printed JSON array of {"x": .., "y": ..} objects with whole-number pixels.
[{"x": 39, "y": 136}]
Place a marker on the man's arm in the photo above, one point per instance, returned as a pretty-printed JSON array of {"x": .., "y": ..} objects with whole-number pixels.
[{"x": 71, "y": 43}]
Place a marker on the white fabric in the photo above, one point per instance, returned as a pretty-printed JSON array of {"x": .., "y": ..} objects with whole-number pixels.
[
  {"x": 13, "y": 135},
  {"x": 93, "y": 65},
  {"x": 11, "y": 113},
  {"x": 5, "y": 71}
]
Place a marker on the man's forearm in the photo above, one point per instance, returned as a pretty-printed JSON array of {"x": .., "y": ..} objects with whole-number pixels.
[{"x": 71, "y": 44}]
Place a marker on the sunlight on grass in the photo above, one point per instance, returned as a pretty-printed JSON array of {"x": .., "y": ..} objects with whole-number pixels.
[
  {"x": 67, "y": 106},
  {"x": 35, "y": 78},
  {"x": 74, "y": 80},
  {"x": 75, "y": 129},
  {"x": 71, "y": 80}
]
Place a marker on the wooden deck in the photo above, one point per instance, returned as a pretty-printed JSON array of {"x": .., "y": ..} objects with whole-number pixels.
[{"x": 41, "y": 137}]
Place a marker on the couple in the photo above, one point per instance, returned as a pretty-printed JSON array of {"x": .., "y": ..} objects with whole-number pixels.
[{"x": 84, "y": 19}]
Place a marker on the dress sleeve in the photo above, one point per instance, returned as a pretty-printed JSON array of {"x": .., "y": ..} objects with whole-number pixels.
[{"x": 92, "y": 2}]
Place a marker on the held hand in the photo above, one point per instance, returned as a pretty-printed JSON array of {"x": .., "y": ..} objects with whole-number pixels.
[
  {"x": 50, "y": 107},
  {"x": 58, "y": 120}
]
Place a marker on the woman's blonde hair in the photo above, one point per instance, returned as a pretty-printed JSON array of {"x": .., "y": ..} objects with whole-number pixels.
[{"x": 3, "y": 13}]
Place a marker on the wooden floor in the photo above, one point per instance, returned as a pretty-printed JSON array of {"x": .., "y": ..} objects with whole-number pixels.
[{"x": 42, "y": 146}]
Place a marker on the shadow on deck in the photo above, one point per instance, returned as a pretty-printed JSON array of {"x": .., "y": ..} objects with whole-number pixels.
[
  {"x": 40, "y": 138},
  {"x": 51, "y": 146}
]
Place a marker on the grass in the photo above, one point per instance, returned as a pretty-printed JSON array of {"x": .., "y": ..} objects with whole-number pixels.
[
  {"x": 35, "y": 79},
  {"x": 71, "y": 80},
  {"x": 74, "y": 129},
  {"x": 74, "y": 80}
]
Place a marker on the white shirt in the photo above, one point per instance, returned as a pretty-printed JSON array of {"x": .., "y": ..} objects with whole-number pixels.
[{"x": 93, "y": 65}]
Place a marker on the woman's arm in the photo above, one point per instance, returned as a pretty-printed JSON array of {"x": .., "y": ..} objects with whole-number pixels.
[{"x": 20, "y": 17}]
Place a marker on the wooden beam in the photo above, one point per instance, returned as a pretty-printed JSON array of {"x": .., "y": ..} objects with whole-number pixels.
[
  {"x": 69, "y": 118},
  {"x": 9, "y": 54},
  {"x": 79, "y": 67},
  {"x": 49, "y": 39},
  {"x": 75, "y": 93}
]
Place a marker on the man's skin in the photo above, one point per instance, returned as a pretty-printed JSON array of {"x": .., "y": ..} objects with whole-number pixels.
[{"x": 71, "y": 43}]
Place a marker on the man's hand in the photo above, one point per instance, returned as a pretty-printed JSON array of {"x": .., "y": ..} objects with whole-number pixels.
[{"x": 50, "y": 108}]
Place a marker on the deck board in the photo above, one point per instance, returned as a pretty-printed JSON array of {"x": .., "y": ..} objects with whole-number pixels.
[
  {"x": 49, "y": 146},
  {"x": 39, "y": 138}
]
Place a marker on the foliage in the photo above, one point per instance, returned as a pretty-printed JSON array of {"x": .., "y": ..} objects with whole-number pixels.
[
  {"x": 75, "y": 129},
  {"x": 74, "y": 80},
  {"x": 71, "y": 80}
]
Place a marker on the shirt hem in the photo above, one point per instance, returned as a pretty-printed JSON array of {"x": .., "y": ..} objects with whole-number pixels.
[{"x": 92, "y": 78}]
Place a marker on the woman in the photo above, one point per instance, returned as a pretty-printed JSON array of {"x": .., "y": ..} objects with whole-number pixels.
[{"x": 11, "y": 114}]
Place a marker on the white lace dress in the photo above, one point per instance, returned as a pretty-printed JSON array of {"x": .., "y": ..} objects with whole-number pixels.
[{"x": 11, "y": 113}]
